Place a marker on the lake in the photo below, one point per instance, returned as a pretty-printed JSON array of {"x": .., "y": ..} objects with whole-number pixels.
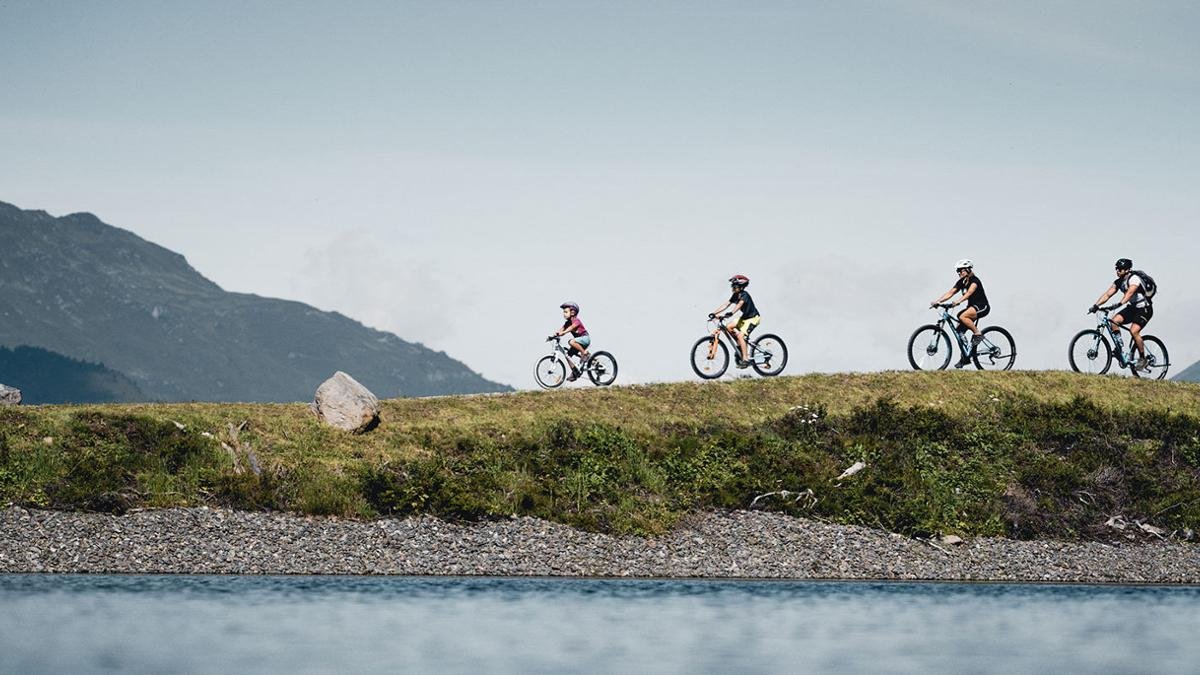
[{"x": 169, "y": 624}]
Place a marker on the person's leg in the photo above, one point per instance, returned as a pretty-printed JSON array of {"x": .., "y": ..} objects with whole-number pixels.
[
  {"x": 741, "y": 338},
  {"x": 967, "y": 317},
  {"x": 1135, "y": 329}
]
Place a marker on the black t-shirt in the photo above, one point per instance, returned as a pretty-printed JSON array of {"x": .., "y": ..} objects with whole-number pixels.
[
  {"x": 978, "y": 299},
  {"x": 749, "y": 311}
]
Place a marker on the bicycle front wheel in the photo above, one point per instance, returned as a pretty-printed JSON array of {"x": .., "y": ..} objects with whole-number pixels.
[
  {"x": 997, "y": 350},
  {"x": 602, "y": 369},
  {"x": 706, "y": 367},
  {"x": 1090, "y": 353},
  {"x": 1156, "y": 359},
  {"x": 929, "y": 348},
  {"x": 768, "y": 355},
  {"x": 550, "y": 372}
]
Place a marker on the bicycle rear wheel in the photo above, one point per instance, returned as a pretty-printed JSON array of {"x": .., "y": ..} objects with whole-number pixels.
[
  {"x": 1156, "y": 359},
  {"x": 709, "y": 369},
  {"x": 768, "y": 355},
  {"x": 929, "y": 348},
  {"x": 550, "y": 372},
  {"x": 1090, "y": 353},
  {"x": 997, "y": 350},
  {"x": 602, "y": 369}
]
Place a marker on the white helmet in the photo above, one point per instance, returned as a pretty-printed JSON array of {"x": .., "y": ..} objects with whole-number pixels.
[{"x": 965, "y": 262}]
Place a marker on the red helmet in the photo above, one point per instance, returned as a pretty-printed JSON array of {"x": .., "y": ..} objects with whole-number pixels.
[{"x": 740, "y": 280}]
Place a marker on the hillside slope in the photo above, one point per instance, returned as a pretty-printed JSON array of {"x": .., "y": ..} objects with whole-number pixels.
[
  {"x": 76, "y": 286},
  {"x": 1025, "y": 454},
  {"x": 45, "y": 377},
  {"x": 1190, "y": 374}
]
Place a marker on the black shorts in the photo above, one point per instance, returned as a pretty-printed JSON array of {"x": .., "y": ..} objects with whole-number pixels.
[
  {"x": 1137, "y": 315},
  {"x": 980, "y": 312}
]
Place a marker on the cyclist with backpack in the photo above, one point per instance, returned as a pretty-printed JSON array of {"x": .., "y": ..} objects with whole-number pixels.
[
  {"x": 741, "y": 301},
  {"x": 976, "y": 298},
  {"x": 1139, "y": 289}
]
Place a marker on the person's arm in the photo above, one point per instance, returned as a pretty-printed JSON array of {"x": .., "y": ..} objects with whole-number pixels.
[
  {"x": 945, "y": 296},
  {"x": 717, "y": 311},
  {"x": 967, "y": 294},
  {"x": 1106, "y": 295},
  {"x": 1132, "y": 289}
]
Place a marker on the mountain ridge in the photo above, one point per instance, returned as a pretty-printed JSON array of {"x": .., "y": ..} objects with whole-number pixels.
[{"x": 80, "y": 287}]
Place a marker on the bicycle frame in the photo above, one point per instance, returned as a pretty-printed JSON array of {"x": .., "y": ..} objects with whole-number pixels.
[
  {"x": 756, "y": 354},
  {"x": 959, "y": 336},
  {"x": 1105, "y": 326}
]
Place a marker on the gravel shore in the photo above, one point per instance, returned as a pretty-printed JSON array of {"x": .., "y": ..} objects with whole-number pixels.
[{"x": 746, "y": 544}]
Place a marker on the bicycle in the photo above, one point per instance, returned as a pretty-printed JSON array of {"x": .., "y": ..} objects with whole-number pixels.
[
  {"x": 551, "y": 370},
  {"x": 1090, "y": 351},
  {"x": 930, "y": 347},
  {"x": 710, "y": 355}
]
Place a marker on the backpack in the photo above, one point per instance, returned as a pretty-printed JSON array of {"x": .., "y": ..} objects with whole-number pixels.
[{"x": 1149, "y": 288}]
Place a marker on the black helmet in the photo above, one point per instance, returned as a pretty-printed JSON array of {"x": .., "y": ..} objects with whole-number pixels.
[{"x": 1124, "y": 264}]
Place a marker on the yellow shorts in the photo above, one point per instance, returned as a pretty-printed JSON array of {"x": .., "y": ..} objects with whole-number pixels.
[{"x": 745, "y": 325}]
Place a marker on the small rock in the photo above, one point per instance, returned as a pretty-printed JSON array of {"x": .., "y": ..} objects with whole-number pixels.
[
  {"x": 951, "y": 540},
  {"x": 9, "y": 395},
  {"x": 344, "y": 403},
  {"x": 853, "y": 469}
]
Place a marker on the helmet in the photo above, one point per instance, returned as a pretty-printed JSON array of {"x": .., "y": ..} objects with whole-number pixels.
[
  {"x": 569, "y": 305},
  {"x": 1124, "y": 264},
  {"x": 964, "y": 263},
  {"x": 740, "y": 280}
]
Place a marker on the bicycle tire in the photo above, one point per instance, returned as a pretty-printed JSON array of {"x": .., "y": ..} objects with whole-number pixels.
[
  {"x": 1155, "y": 351},
  {"x": 550, "y": 372},
  {"x": 1004, "y": 354},
  {"x": 938, "y": 345},
  {"x": 709, "y": 369},
  {"x": 602, "y": 369},
  {"x": 778, "y": 356},
  {"x": 1088, "y": 362}
]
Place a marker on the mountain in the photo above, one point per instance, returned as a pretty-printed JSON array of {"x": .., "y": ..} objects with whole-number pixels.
[
  {"x": 84, "y": 289},
  {"x": 1190, "y": 374},
  {"x": 46, "y": 377}
]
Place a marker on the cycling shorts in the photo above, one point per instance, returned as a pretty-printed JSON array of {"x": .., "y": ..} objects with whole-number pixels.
[
  {"x": 744, "y": 326},
  {"x": 583, "y": 340},
  {"x": 1137, "y": 315}
]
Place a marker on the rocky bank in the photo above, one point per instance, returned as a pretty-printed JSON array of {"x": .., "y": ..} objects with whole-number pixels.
[{"x": 745, "y": 544}]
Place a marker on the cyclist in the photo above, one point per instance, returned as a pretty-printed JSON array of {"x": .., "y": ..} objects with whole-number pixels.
[
  {"x": 973, "y": 294},
  {"x": 580, "y": 340},
  {"x": 1138, "y": 308},
  {"x": 749, "y": 319}
]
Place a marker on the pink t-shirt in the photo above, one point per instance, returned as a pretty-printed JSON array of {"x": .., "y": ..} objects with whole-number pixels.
[{"x": 575, "y": 326}]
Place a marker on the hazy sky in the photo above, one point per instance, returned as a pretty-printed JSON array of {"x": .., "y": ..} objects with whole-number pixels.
[{"x": 452, "y": 171}]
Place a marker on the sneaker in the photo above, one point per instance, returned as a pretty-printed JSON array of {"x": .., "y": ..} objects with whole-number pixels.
[
  {"x": 1141, "y": 363},
  {"x": 574, "y": 375},
  {"x": 975, "y": 340},
  {"x": 742, "y": 364},
  {"x": 962, "y": 362}
]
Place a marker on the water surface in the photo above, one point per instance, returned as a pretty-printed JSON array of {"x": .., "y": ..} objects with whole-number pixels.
[{"x": 167, "y": 624}]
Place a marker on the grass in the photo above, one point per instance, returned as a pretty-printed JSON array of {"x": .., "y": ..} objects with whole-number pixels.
[{"x": 1026, "y": 454}]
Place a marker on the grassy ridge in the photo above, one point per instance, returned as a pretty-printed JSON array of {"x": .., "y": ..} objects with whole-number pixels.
[{"x": 1022, "y": 454}]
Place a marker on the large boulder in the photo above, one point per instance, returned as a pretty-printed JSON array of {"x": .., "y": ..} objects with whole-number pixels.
[
  {"x": 9, "y": 395},
  {"x": 344, "y": 403}
]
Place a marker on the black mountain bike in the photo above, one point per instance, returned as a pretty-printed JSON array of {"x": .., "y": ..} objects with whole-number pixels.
[
  {"x": 930, "y": 346},
  {"x": 1093, "y": 351},
  {"x": 710, "y": 355}
]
